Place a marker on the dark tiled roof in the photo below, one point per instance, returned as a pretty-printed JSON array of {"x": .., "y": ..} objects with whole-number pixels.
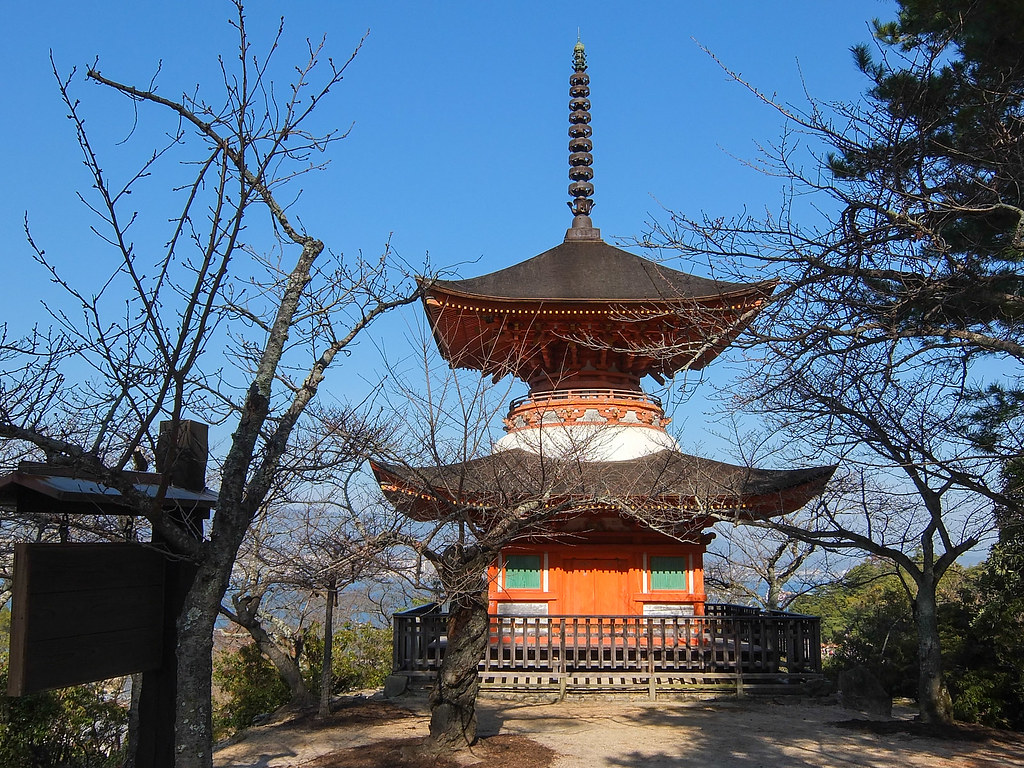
[
  {"x": 668, "y": 476},
  {"x": 64, "y": 490},
  {"x": 593, "y": 270}
]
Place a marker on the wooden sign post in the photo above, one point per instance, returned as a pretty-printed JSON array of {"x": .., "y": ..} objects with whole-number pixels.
[{"x": 84, "y": 612}]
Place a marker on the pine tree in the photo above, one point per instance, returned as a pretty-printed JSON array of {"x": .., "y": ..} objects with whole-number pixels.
[{"x": 950, "y": 77}]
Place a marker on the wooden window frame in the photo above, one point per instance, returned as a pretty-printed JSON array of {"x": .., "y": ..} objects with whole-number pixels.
[
  {"x": 542, "y": 572},
  {"x": 648, "y": 587}
]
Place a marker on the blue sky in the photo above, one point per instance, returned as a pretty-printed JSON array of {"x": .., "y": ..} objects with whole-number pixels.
[{"x": 458, "y": 113}]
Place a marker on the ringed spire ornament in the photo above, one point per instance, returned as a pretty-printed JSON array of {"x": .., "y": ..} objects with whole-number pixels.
[{"x": 581, "y": 189}]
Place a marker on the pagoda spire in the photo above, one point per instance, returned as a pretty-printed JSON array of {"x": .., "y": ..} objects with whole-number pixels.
[{"x": 580, "y": 158}]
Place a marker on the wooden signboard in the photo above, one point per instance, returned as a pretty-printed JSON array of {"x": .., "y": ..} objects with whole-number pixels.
[
  {"x": 667, "y": 609},
  {"x": 84, "y": 612},
  {"x": 522, "y": 609}
]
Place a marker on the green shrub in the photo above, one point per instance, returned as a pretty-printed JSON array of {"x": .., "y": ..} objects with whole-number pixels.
[
  {"x": 868, "y": 619},
  {"x": 362, "y": 657},
  {"x": 988, "y": 697},
  {"x": 249, "y": 686},
  {"x": 77, "y": 727},
  {"x": 986, "y": 669}
]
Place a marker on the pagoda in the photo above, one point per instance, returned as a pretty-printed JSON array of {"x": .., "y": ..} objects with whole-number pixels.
[{"x": 583, "y": 324}]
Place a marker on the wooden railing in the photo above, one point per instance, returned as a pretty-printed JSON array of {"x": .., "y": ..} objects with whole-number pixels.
[
  {"x": 554, "y": 395},
  {"x": 728, "y": 639}
]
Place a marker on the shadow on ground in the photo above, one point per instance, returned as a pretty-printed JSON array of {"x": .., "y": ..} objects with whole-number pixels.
[
  {"x": 621, "y": 734},
  {"x": 743, "y": 734}
]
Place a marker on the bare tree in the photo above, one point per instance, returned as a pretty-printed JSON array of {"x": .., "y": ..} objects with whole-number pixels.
[
  {"x": 316, "y": 535},
  {"x": 895, "y": 281},
  {"x": 918, "y": 491},
  {"x": 892, "y": 410},
  {"x": 463, "y": 505},
  {"x": 456, "y": 526},
  {"x": 471, "y": 525},
  {"x": 922, "y": 495},
  {"x": 233, "y": 314},
  {"x": 762, "y": 566}
]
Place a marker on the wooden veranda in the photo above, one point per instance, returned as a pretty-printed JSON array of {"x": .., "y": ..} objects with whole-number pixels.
[{"x": 733, "y": 647}]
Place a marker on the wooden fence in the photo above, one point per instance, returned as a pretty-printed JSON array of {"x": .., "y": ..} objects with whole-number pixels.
[{"x": 734, "y": 644}]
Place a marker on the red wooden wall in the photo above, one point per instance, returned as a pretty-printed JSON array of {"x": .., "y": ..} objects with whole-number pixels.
[{"x": 598, "y": 577}]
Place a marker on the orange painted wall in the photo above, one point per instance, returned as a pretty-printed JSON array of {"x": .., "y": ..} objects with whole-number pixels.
[{"x": 599, "y": 578}]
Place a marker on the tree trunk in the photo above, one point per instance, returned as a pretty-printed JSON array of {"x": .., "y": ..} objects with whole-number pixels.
[
  {"x": 773, "y": 597},
  {"x": 246, "y": 615},
  {"x": 133, "y": 721},
  {"x": 453, "y": 698},
  {"x": 193, "y": 723},
  {"x": 933, "y": 699},
  {"x": 325, "y": 670}
]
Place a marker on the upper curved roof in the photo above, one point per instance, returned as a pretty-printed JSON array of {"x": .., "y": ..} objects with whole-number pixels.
[{"x": 592, "y": 270}]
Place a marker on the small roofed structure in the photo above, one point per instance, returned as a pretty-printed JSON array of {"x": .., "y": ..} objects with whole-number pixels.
[
  {"x": 38, "y": 488},
  {"x": 90, "y": 611}
]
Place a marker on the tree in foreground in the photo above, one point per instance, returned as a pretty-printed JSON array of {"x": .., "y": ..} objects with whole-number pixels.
[
  {"x": 466, "y": 523},
  {"x": 918, "y": 494},
  {"x": 903, "y": 276},
  {"x": 232, "y": 314},
  {"x": 456, "y": 527},
  {"x": 464, "y": 505}
]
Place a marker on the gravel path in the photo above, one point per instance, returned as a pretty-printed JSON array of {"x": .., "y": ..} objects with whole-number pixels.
[
  {"x": 748, "y": 733},
  {"x": 732, "y": 734}
]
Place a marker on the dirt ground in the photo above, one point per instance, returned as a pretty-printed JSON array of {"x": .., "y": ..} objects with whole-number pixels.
[{"x": 730, "y": 733}]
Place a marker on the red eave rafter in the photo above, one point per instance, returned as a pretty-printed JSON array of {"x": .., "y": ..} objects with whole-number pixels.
[{"x": 500, "y": 336}]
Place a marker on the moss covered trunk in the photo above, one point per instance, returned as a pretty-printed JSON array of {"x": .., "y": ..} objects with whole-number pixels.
[{"x": 453, "y": 698}]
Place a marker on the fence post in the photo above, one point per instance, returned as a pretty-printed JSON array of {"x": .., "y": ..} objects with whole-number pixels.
[
  {"x": 738, "y": 656},
  {"x": 650, "y": 661},
  {"x": 395, "y": 641},
  {"x": 562, "y": 668},
  {"x": 815, "y": 643}
]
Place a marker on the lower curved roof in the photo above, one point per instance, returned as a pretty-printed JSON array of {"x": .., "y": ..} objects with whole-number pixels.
[{"x": 669, "y": 483}]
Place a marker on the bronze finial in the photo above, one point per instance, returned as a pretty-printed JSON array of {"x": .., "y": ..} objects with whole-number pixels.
[{"x": 580, "y": 145}]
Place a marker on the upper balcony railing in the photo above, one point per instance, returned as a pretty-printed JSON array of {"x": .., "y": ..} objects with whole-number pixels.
[{"x": 555, "y": 396}]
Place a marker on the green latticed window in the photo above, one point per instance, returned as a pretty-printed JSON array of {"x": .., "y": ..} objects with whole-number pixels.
[
  {"x": 522, "y": 572},
  {"x": 668, "y": 573}
]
